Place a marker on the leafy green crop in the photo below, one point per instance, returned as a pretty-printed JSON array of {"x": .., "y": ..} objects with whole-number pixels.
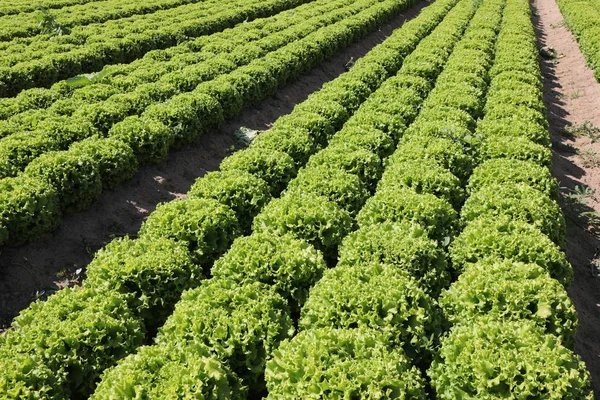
[
  {"x": 504, "y": 170},
  {"x": 447, "y": 153},
  {"x": 306, "y": 216},
  {"x": 341, "y": 187},
  {"x": 424, "y": 176},
  {"x": 582, "y": 18},
  {"x": 296, "y": 142},
  {"x": 505, "y": 238},
  {"x": 405, "y": 246},
  {"x": 289, "y": 265},
  {"x": 379, "y": 297},
  {"x": 206, "y": 226},
  {"x": 346, "y": 90},
  {"x": 274, "y": 167},
  {"x": 515, "y": 77},
  {"x": 75, "y": 177},
  {"x": 331, "y": 110},
  {"x": 351, "y": 158},
  {"x": 188, "y": 115},
  {"x": 514, "y": 126},
  {"x": 241, "y": 324},
  {"x": 365, "y": 137},
  {"x": 243, "y": 192},
  {"x": 320, "y": 127},
  {"x": 518, "y": 148},
  {"x": 28, "y": 208},
  {"x": 492, "y": 359},
  {"x": 64, "y": 343},
  {"x": 395, "y": 204},
  {"x": 386, "y": 119},
  {"x": 443, "y": 114},
  {"x": 520, "y": 202},
  {"x": 116, "y": 160},
  {"x": 26, "y": 376},
  {"x": 153, "y": 272},
  {"x": 19, "y": 149},
  {"x": 170, "y": 372},
  {"x": 149, "y": 139},
  {"x": 64, "y": 130},
  {"x": 511, "y": 290},
  {"x": 452, "y": 131},
  {"x": 341, "y": 363}
]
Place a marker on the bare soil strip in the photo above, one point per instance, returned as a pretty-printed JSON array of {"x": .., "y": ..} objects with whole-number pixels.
[
  {"x": 572, "y": 97},
  {"x": 31, "y": 270}
]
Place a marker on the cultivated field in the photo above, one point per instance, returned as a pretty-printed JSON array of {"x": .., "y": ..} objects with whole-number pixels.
[{"x": 299, "y": 199}]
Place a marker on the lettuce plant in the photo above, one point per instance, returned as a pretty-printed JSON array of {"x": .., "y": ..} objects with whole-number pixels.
[
  {"x": 379, "y": 297},
  {"x": 506, "y": 238},
  {"x": 341, "y": 363},
  {"x": 490, "y": 359},
  {"x": 291, "y": 266},
  {"x": 206, "y": 226},
  {"x": 511, "y": 290},
  {"x": 241, "y": 324}
]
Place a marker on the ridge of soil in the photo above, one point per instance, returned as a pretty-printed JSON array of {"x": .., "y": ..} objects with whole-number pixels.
[
  {"x": 30, "y": 271},
  {"x": 572, "y": 97}
]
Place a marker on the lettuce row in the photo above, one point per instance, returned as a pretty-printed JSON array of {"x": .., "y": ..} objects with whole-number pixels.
[
  {"x": 514, "y": 323},
  {"x": 156, "y": 65},
  {"x": 9, "y": 9},
  {"x": 350, "y": 363},
  {"x": 58, "y": 348},
  {"x": 51, "y": 128},
  {"x": 372, "y": 288},
  {"x": 498, "y": 357},
  {"x": 26, "y": 24},
  {"x": 42, "y": 63}
]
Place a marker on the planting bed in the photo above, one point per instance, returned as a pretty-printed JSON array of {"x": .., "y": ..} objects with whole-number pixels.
[{"x": 394, "y": 227}]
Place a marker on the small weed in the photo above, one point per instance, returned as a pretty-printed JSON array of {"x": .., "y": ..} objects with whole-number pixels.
[
  {"x": 67, "y": 278},
  {"x": 559, "y": 25},
  {"x": 589, "y": 158},
  {"x": 48, "y": 24},
  {"x": 593, "y": 217},
  {"x": 89, "y": 246},
  {"x": 575, "y": 95},
  {"x": 581, "y": 194},
  {"x": 230, "y": 150},
  {"x": 548, "y": 52},
  {"x": 586, "y": 129},
  {"x": 349, "y": 64},
  {"x": 244, "y": 136},
  {"x": 577, "y": 206}
]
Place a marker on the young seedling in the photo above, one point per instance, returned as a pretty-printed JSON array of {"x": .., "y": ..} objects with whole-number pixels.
[
  {"x": 48, "y": 24},
  {"x": 586, "y": 129},
  {"x": 590, "y": 158}
]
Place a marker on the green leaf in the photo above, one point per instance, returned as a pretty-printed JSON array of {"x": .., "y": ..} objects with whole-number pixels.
[{"x": 79, "y": 81}]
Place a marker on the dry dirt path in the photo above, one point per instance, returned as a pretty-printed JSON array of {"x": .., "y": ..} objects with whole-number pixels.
[
  {"x": 572, "y": 97},
  {"x": 33, "y": 268}
]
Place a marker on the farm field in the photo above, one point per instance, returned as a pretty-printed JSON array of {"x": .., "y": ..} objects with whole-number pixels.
[{"x": 294, "y": 199}]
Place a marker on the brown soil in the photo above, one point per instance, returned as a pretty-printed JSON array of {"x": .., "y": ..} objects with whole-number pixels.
[
  {"x": 573, "y": 97},
  {"x": 29, "y": 271}
]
